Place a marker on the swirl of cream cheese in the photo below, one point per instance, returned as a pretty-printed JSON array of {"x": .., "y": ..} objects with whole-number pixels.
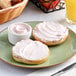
[
  {"x": 50, "y": 31},
  {"x": 19, "y": 31},
  {"x": 20, "y": 28},
  {"x": 30, "y": 50}
]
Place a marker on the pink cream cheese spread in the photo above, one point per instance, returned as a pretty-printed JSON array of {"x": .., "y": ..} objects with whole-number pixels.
[
  {"x": 19, "y": 31},
  {"x": 50, "y": 31},
  {"x": 30, "y": 50}
]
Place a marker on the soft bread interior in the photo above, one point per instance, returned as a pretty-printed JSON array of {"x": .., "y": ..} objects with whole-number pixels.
[{"x": 5, "y": 3}]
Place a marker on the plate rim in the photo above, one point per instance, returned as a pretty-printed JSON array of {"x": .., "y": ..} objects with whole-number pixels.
[{"x": 35, "y": 67}]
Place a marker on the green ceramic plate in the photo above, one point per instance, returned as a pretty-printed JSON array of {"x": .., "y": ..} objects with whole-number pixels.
[{"x": 58, "y": 54}]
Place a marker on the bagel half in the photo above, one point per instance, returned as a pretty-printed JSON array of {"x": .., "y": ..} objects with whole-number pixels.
[
  {"x": 30, "y": 52},
  {"x": 50, "y": 33}
]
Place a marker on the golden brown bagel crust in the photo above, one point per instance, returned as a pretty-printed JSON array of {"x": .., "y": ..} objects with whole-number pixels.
[
  {"x": 22, "y": 60},
  {"x": 12, "y": 12},
  {"x": 49, "y": 43},
  {"x": 19, "y": 58}
]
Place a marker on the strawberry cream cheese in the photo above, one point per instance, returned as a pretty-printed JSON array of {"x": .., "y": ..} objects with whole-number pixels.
[
  {"x": 30, "y": 52},
  {"x": 50, "y": 32},
  {"x": 18, "y": 31}
]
